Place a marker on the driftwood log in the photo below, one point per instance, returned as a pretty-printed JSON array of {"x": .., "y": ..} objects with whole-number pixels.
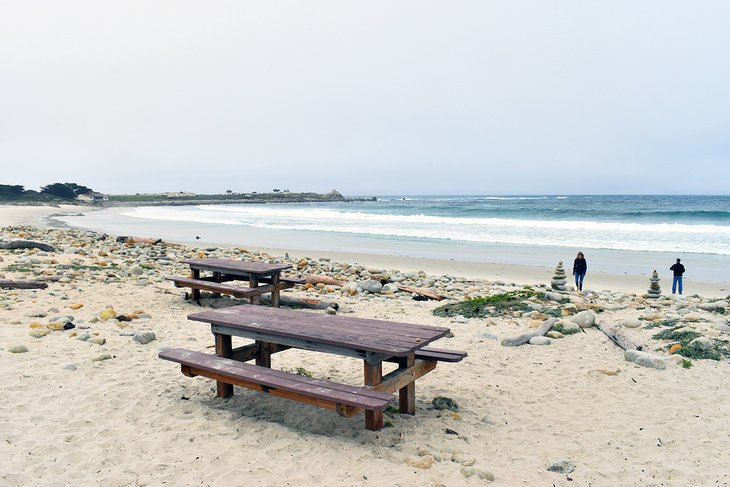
[
  {"x": 27, "y": 244},
  {"x": 540, "y": 331},
  {"x": 426, "y": 293},
  {"x": 8, "y": 284},
  {"x": 300, "y": 302},
  {"x": 134, "y": 240},
  {"x": 327, "y": 280},
  {"x": 619, "y": 338}
]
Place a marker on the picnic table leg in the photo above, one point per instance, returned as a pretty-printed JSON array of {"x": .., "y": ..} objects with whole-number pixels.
[
  {"x": 263, "y": 359},
  {"x": 373, "y": 375},
  {"x": 275, "y": 292},
  {"x": 216, "y": 278},
  {"x": 253, "y": 282},
  {"x": 407, "y": 394},
  {"x": 196, "y": 292},
  {"x": 223, "y": 348}
]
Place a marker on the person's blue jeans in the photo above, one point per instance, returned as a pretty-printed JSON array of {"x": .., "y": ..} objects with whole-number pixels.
[
  {"x": 579, "y": 280},
  {"x": 677, "y": 283}
]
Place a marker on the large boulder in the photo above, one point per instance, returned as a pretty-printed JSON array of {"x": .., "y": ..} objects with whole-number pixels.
[{"x": 584, "y": 319}]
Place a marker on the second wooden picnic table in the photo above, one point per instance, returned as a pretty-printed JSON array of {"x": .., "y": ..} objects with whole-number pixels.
[{"x": 262, "y": 277}]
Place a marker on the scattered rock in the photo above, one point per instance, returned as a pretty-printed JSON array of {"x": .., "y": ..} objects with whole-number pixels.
[
  {"x": 701, "y": 343},
  {"x": 144, "y": 337},
  {"x": 371, "y": 286},
  {"x": 540, "y": 341},
  {"x": 468, "y": 472},
  {"x": 584, "y": 319},
  {"x": 18, "y": 349},
  {"x": 422, "y": 463},
  {"x": 441, "y": 402},
  {"x": 103, "y": 356},
  {"x": 107, "y": 314},
  {"x": 563, "y": 466},
  {"x": 39, "y": 332},
  {"x": 645, "y": 359},
  {"x": 70, "y": 366}
]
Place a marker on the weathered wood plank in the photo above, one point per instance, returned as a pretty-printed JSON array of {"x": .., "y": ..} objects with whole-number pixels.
[
  {"x": 386, "y": 337},
  {"x": 402, "y": 377},
  {"x": 266, "y": 380},
  {"x": 231, "y": 266}
]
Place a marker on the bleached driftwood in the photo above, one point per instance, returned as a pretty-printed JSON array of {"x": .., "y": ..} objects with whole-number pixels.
[
  {"x": 27, "y": 244},
  {"x": 135, "y": 240},
  {"x": 619, "y": 338},
  {"x": 327, "y": 280},
  {"x": 540, "y": 331},
  {"x": 8, "y": 284},
  {"x": 426, "y": 293},
  {"x": 293, "y": 302}
]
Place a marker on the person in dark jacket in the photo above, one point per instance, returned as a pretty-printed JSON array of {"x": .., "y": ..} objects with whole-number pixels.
[
  {"x": 580, "y": 267},
  {"x": 678, "y": 270}
]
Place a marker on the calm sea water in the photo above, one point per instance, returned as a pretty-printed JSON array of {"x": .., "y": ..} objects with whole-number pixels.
[{"x": 624, "y": 234}]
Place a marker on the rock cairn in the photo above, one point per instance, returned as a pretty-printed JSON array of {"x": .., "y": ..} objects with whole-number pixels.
[
  {"x": 654, "y": 290},
  {"x": 558, "y": 282}
]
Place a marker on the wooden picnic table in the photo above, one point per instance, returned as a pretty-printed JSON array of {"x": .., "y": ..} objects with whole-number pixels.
[
  {"x": 274, "y": 330},
  {"x": 262, "y": 278}
]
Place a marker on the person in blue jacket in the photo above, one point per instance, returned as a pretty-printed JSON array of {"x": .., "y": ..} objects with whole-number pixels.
[{"x": 580, "y": 267}]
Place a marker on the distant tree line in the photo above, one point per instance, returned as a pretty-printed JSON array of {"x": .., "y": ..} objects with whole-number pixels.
[{"x": 54, "y": 191}]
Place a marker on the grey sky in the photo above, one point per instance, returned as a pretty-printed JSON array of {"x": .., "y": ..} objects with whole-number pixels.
[{"x": 377, "y": 97}]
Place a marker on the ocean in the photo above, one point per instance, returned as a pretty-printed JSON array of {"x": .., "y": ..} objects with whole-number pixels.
[{"x": 618, "y": 234}]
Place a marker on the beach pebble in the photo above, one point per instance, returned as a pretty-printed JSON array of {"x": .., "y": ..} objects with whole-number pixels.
[
  {"x": 107, "y": 314},
  {"x": 557, "y": 297},
  {"x": 460, "y": 319},
  {"x": 584, "y": 319},
  {"x": 468, "y": 472},
  {"x": 70, "y": 366},
  {"x": 422, "y": 463},
  {"x": 554, "y": 334},
  {"x": 135, "y": 270},
  {"x": 371, "y": 286},
  {"x": 441, "y": 402},
  {"x": 97, "y": 340},
  {"x": 144, "y": 337},
  {"x": 540, "y": 341},
  {"x": 38, "y": 314},
  {"x": 85, "y": 337},
  {"x": 39, "y": 332},
  {"x": 630, "y": 323},
  {"x": 18, "y": 349},
  {"x": 330, "y": 311},
  {"x": 103, "y": 356},
  {"x": 563, "y": 466},
  {"x": 489, "y": 336},
  {"x": 645, "y": 359},
  {"x": 701, "y": 343},
  {"x": 463, "y": 460}
]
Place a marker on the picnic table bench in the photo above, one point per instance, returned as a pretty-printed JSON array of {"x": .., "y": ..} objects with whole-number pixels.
[
  {"x": 262, "y": 278},
  {"x": 274, "y": 330}
]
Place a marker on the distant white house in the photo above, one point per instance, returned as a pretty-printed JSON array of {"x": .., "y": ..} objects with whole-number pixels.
[{"x": 92, "y": 197}]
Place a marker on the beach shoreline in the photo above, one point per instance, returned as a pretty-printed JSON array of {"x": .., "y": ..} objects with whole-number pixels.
[{"x": 514, "y": 273}]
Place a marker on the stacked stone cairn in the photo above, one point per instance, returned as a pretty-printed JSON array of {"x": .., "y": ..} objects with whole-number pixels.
[
  {"x": 558, "y": 282},
  {"x": 654, "y": 290}
]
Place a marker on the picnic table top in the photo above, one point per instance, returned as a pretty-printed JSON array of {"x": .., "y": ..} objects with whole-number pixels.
[
  {"x": 360, "y": 334},
  {"x": 236, "y": 266}
]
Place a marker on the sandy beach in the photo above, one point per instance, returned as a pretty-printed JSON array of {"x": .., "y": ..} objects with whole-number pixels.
[{"x": 90, "y": 405}]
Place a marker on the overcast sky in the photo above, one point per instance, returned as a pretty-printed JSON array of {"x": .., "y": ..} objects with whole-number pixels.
[{"x": 375, "y": 97}]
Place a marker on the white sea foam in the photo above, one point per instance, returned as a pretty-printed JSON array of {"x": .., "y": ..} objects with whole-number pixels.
[{"x": 671, "y": 237}]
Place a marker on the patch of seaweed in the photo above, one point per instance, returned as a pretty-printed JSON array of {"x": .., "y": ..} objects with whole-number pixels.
[
  {"x": 684, "y": 337},
  {"x": 483, "y": 306}
]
